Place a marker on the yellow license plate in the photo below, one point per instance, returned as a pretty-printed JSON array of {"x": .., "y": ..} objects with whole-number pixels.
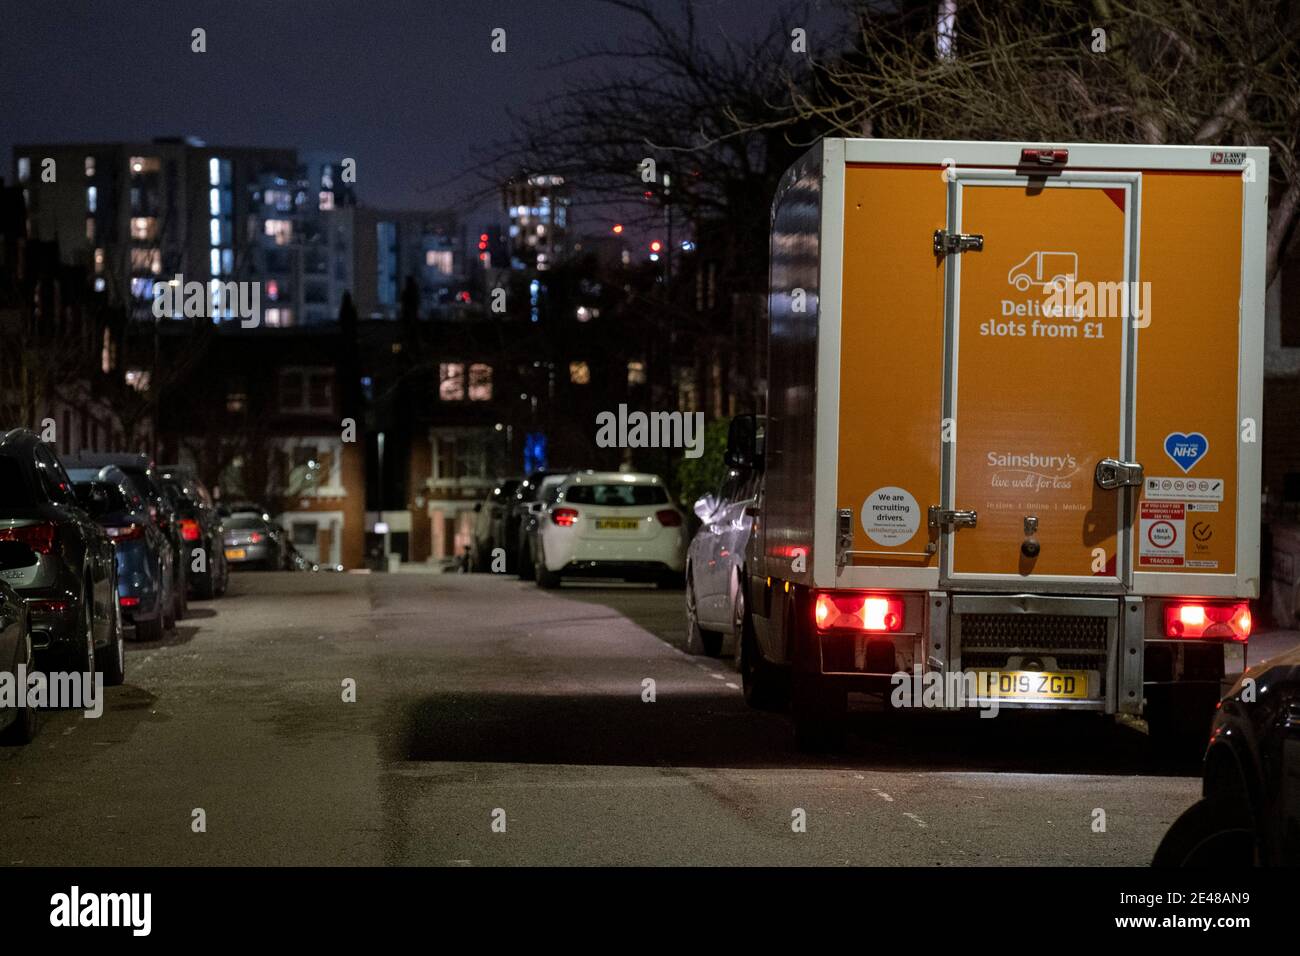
[
  {"x": 617, "y": 524},
  {"x": 234, "y": 554},
  {"x": 1044, "y": 685}
]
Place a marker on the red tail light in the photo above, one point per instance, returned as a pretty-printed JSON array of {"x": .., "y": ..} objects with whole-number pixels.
[
  {"x": 1195, "y": 619},
  {"x": 564, "y": 517},
  {"x": 189, "y": 529},
  {"x": 669, "y": 518},
  {"x": 130, "y": 532},
  {"x": 254, "y": 537},
  {"x": 38, "y": 537},
  {"x": 857, "y": 612},
  {"x": 128, "y": 601},
  {"x": 54, "y": 607}
]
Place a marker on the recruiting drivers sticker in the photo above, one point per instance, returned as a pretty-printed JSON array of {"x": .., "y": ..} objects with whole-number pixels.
[{"x": 890, "y": 516}]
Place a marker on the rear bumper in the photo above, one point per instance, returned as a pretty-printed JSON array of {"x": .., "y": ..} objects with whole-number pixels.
[
  {"x": 629, "y": 570},
  {"x": 965, "y": 641},
  {"x": 564, "y": 550}
]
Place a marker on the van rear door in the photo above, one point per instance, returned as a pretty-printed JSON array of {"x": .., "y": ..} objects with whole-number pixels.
[{"x": 1037, "y": 484}]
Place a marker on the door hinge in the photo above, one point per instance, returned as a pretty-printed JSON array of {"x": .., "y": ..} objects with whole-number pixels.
[
  {"x": 944, "y": 518},
  {"x": 948, "y": 242},
  {"x": 1112, "y": 473}
]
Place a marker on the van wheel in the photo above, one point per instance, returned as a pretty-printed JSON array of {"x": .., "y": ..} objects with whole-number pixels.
[
  {"x": 698, "y": 640},
  {"x": 819, "y": 709},
  {"x": 1178, "y": 723},
  {"x": 765, "y": 686}
]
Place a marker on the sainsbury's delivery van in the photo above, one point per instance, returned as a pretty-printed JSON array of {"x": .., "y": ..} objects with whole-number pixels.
[{"x": 1012, "y": 436}]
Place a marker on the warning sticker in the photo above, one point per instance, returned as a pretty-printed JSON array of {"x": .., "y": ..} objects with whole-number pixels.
[
  {"x": 1162, "y": 534},
  {"x": 890, "y": 516}
]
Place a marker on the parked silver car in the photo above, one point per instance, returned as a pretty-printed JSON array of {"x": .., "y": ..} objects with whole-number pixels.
[
  {"x": 252, "y": 541},
  {"x": 715, "y": 600}
]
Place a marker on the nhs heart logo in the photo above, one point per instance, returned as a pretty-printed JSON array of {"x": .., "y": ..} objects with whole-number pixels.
[{"x": 1186, "y": 450}]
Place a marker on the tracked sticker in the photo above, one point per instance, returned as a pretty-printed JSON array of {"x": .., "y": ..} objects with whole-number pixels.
[{"x": 1162, "y": 538}]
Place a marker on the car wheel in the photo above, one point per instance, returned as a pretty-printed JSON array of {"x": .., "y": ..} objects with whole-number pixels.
[
  {"x": 167, "y": 614},
  {"x": 112, "y": 659},
  {"x": 765, "y": 686},
  {"x": 180, "y": 596},
  {"x": 545, "y": 578},
  {"x": 149, "y": 630},
  {"x": 1213, "y": 832},
  {"x": 205, "y": 582},
  {"x": 83, "y": 655},
  {"x": 698, "y": 640},
  {"x": 26, "y": 719}
]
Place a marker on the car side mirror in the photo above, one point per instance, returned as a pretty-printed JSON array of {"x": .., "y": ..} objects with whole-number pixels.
[
  {"x": 535, "y": 508},
  {"x": 15, "y": 555},
  {"x": 705, "y": 506},
  {"x": 744, "y": 443}
]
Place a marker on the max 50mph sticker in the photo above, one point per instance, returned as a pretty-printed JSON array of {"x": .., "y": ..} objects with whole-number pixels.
[{"x": 1162, "y": 534}]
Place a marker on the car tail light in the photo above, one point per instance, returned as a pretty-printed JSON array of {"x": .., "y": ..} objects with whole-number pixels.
[
  {"x": 1196, "y": 619},
  {"x": 54, "y": 607},
  {"x": 128, "y": 601},
  {"x": 38, "y": 537},
  {"x": 564, "y": 517},
  {"x": 254, "y": 537},
  {"x": 669, "y": 518},
  {"x": 189, "y": 529},
  {"x": 129, "y": 532},
  {"x": 857, "y": 612}
]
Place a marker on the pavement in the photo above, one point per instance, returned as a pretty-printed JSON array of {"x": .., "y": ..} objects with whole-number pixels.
[{"x": 496, "y": 724}]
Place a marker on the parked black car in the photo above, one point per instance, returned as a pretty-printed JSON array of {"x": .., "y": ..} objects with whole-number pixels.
[
  {"x": 201, "y": 528},
  {"x": 146, "y": 582},
  {"x": 1249, "y": 812},
  {"x": 144, "y": 476},
  {"x": 491, "y": 524},
  {"x": 71, "y": 589},
  {"x": 252, "y": 540},
  {"x": 17, "y": 723},
  {"x": 522, "y": 520}
]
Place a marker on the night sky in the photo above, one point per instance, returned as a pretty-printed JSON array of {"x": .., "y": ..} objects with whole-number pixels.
[{"x": 410, "y": 89}]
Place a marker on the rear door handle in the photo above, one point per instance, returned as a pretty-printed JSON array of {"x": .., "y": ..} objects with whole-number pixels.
[{"x": 1112, "y": 473}]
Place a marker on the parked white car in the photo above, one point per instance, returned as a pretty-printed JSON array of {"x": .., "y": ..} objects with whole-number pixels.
[
  {"x": 715, "y": 600},
  {"x": 611, "y": 524}
]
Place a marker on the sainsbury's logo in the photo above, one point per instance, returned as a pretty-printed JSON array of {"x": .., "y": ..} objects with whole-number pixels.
[{"x": 1033, "y": 460}]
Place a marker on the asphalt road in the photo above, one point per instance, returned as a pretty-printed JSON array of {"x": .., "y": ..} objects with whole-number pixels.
[{"x": 498, "y": 724}]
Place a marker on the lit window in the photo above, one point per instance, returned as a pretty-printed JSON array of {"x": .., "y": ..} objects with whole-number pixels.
[
  {"x": 214, "y": 261},
  {"x": 480, "y": 383},
  {"x": 99, "y": 260},
  {"x": 214, "y": 172},
  {"x": 99, "y": 284},
  {"x": 636, "y": 373},
  {"x": 227, "y": 261},
  {"x": 24, "y": 168},
  {"x": 281, "y": 230},
  {"x": 236, "y": 402},
  {"x": 326, "y": 200},
  {"x": 579, "y": 373},
  {"x": 92, "y": 199},
  {"x": 451, "y": 382},
  {"x": 138, "y": 379},
  {"x": 440, "y": 260},
  {"x": 278, "y": 317},
  {"x": 90, "y": 229},
  {"x": 90, "y": 165},
  {"x": 142, "y": 260},
  {"x": 145, "y": 164},
  {"x": 214, "y": 202},
  {"x": 144, "y": 228}
]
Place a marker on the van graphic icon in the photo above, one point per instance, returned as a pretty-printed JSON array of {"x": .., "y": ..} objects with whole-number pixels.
[{"x": 1045, "y": 269}]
